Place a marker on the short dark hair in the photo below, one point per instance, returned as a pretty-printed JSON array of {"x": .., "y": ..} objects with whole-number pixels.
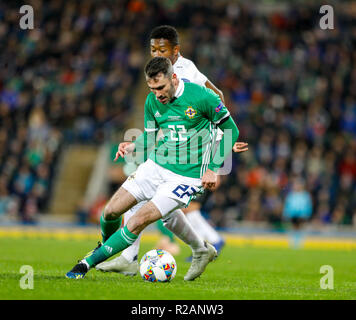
[
  {"x": 165, "y": 32},
  {"x": 157, "y": 65}
]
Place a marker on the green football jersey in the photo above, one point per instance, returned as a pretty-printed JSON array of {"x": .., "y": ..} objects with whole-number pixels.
[{"x": 189, "y": 124}]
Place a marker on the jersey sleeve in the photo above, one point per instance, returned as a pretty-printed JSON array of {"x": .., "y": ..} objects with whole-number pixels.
[
  {"x": 230, "y": 136},
  {"x": 146, "y": 140},
  {"x": 149, "y": 119},
  {"x": 213, "y": 108},
  {"x": 197, "y": 77}
]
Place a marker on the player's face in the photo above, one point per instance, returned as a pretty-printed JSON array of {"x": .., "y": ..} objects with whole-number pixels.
[
  {"x": 163, "y": 48},
  {"x": 163, "y": 87}
]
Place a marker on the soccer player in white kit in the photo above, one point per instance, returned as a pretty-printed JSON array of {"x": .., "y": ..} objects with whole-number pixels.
[{"x": 164, "y": 42}]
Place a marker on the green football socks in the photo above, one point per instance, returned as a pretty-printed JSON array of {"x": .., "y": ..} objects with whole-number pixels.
[
  {"x": 108, "y": 227},
  {"x": 118, "y": 241}
]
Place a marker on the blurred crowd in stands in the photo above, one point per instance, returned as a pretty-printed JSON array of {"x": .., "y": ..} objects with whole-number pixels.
[
  {"x": 70, "y": 79},
  {"x": 290, "y": 86}
]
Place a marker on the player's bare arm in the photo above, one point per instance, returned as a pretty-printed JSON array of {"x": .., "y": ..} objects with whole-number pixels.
[
  {"x": 238, "y": 146},
  {"x": 211, "y": 86}
]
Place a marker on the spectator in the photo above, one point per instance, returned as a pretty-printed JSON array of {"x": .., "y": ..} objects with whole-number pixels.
[
  {"x": 297, "y": 209},
  {"x": 8, "y": 203}
]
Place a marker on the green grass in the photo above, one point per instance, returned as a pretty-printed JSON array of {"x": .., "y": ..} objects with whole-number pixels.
[{"x": 239, "y": 273}]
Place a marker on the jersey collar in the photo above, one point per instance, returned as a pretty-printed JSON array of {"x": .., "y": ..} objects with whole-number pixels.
[
  {"x": 179, "y": 57},
  {"x": 180, "y": 89}
]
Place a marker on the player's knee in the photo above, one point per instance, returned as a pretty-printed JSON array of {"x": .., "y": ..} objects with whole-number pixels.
[
  {"x": 142, "y": 220},
  {"x": 137, "y": 223},
  {"x": 109, "y": 213}
]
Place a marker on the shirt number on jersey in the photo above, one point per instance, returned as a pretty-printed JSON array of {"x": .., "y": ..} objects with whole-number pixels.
[
  {"x": 180, "y": 131},
  {"x": 184, "y": 190}
]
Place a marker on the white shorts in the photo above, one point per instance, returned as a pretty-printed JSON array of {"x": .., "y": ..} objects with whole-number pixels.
[{"x": 166, "y": 189}]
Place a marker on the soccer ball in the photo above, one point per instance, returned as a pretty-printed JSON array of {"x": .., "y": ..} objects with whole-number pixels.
[{"x": 158, "y": 266}]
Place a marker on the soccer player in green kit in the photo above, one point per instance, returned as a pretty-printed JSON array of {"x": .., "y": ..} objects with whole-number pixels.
[
  {"x": 181, "y": 164},
  {"x": 164, "y": 42}
]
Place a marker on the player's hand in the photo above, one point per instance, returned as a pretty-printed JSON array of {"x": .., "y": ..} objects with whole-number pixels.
[
  {"x": 209, "y": 180},
  {"x": 123, "y": 149},
  {"x": 240, "y": 147}
]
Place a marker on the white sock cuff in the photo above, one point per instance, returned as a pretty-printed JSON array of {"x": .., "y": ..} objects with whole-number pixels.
[{"x": 86, "y": 263}]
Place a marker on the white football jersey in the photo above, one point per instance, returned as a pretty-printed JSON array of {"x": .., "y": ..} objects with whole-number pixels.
[{"x": 186, "y": 70}]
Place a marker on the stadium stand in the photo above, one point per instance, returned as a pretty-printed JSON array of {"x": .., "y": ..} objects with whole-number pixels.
[{"x": 290, "y": 86}]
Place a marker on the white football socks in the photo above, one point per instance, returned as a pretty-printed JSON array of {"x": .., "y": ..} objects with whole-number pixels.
[
  {"x": 202, "y": 227},
  {"x": 180, "y": 226},
  {"x": 132, "y": 251}
]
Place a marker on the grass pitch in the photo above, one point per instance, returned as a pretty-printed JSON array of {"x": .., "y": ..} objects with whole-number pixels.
[{"x": 239, "y": 273}]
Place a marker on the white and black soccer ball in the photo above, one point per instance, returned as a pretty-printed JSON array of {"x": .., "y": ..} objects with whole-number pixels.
[{"x": 158, "y": 266}]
